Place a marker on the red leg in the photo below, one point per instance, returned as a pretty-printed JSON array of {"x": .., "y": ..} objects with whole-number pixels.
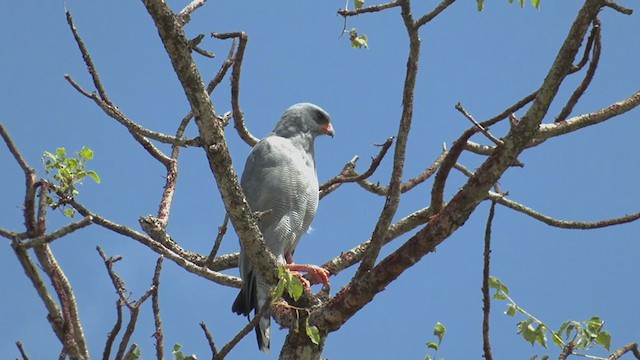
[{"x": 319, "y": 275}]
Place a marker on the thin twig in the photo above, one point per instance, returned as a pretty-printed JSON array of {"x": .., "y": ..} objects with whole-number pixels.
[
  {"x": 185, "y": 14},
  {"x": 348, "y": 173},
  {"x": 563, "y": 224},
  {"x": 393, "y": 196},
  {"x": 30, "y": 181},
  {"x": 111, "y": 337},
  {"x": 435, "y": 12},
  {"x": 23, "y": 353},
  {"x": 369, "y": 9},
  {"x": 63, "y": 231},
  {"x": 216, "y": 246},
  {"x": 486, "y": 299},
  {"x": 238, "y": 115},
  {"x": 87, "y": 60},
  {"x": 617, "y": 7},
  {"x": 484, "y": 130},
  {"x": 591, "y": 70},
  {"x": 212, "y": 344},
  {"x": 242, "y": 333},
  {"x": 158, "y": 333},
  {"x": 411, "y": 183}
]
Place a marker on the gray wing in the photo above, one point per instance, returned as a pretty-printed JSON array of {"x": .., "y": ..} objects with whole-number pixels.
[{"x": 280, "y": 178}]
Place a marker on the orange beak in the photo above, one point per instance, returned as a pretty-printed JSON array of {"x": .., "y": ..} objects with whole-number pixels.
[{"x": 328, "y": 129}]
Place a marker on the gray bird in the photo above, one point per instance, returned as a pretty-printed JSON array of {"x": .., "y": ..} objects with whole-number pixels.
[{"x": 280, "y": 179}]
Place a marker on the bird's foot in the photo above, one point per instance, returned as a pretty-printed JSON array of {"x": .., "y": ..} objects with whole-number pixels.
[{"x": 319, "y": 274}]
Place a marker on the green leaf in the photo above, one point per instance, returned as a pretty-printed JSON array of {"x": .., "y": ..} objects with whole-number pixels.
[
  {"x": 358, "y": 3},
  {"x": 499, "y": 296},
  {"x": 511, "y": 310},
  {"x": 432, "y": 345},
  {"x": 92, "y": 174},
  {"x": 428, "y": 357},
  {"x": 521, "y": 3},
  {"x": 527, "y": 331},
  {"x": 536, "y": 4},
  {"x": 69, "y": 212},
  {"x": 177, "y": 353},
  {"x": 72, "y": 163},
  {"x": 358, "y": 41},
  {"x": 313, "y": 333},
  {"x": 295, "y": 288},
  {"x": 86, "y": 153},
  {"x": 541, "y": 335},
  {"x": 480, "y": 5},
  {"x": 604, "y": 339},
  {"x": 61, "y": 153},
  {"x": 439, "y": 330}
]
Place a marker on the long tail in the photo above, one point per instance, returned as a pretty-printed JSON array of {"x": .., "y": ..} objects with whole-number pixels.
[{"x": 253, "y": 295}]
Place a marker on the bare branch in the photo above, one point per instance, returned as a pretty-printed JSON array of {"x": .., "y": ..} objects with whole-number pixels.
[
  {"x": 212, "y": 134},
  {"x": 212, "y": 344},
  {"x": 216, "y": 246},
  {"x": 435, "y": 12},
  {"x": 238, "y": 115},
  {"x": 564, "y": 224},
  {"x": 87, "y": 60},
  {"x": 617, "y": 7},
  {"x": 30, "y": 181},
  {"x": 591, "y": 70},
  {"x": 486, "y": 299},
  {"x": 633, "y": 347},
  {"x": 13, "y": 149},
  {"x": 114, "y": 331},
  {"x": 63, "y": 231},
  {"x": 547, "y": 131},
  {"x": 353, "y": 256},
  {"x": 185, "y": 14},
  {"x": 348, "y": 173},
  {"x": 393, "y": 196},
  {"x": 369, "y": 9},
  {"x": 158, "y": 334},
  {"x": 449, "y": 218},
  {"x": 126, "y": 337},
  {"x": 242, "y": 333},
  {"x": 73, "y": 340},
  {"x": 484, "y": 130},
  {"x": 23, "y": 353},
  {"x": 382, "y": 190}
]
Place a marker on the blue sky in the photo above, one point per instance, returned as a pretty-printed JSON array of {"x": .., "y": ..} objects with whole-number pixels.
[{"x": 485, "y": 60}]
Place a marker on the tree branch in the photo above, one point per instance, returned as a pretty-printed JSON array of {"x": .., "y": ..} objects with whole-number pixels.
[
  {"x": 348, "y": 173},
  {"x": 212, "y": 135},
  {"x": 633, "y": 347},
  {"x": 369, "y": 9},
  {"x": 393, "y": 196},
  {"x": 238, "y": 115},
  {"x": 452, "y": 216},
  {"x": 212, "y": 344},
  {"x": 111, "y": 337},
  {"x": 486, "y": 299},
  {"x": 435, "y": 12}
]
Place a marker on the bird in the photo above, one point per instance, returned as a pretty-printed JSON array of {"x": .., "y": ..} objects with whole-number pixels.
[{"x": 280, "y": 182}]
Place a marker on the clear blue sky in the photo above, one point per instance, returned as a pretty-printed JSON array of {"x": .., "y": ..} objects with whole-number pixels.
[{"x": 486, "y": 60}]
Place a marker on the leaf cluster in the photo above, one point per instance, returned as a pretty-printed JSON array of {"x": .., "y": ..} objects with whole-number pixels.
[
  {"x": 439, "y": 330},
  {"x": 67, "y": 172},
  {"x": 294, "y": 288},
  {"x": 576, "y": 335}
]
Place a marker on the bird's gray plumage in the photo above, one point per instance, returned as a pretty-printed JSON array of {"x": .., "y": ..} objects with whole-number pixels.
[{"x": 280, "y": 177}]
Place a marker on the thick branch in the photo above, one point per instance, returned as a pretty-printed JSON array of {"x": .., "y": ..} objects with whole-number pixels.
[
  {"x": 452, "y": 216},
  {"x": 212, "y": 135}
]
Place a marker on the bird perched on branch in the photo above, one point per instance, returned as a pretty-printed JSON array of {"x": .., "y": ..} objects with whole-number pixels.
[{"x": 280, "y": 181}]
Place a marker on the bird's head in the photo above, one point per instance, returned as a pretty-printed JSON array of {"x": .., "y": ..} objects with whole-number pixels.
[{"x": 304, "y": 118}]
